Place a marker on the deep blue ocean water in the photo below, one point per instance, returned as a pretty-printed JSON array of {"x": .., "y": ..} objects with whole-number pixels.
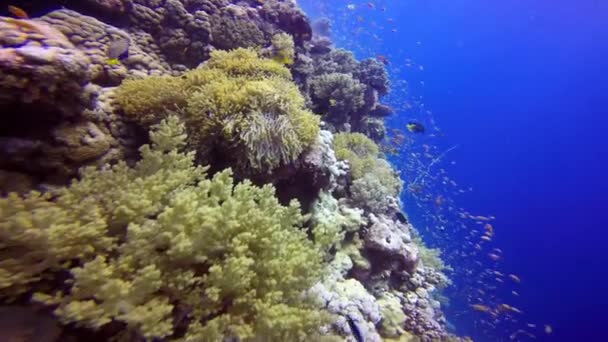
[{"x": 521, "y": 89}]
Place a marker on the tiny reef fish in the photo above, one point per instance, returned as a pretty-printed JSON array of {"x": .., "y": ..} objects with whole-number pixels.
[
  {"x": 118, "y": 49},
  {"x": 415, "y": 127},
  {"x": 18, "y": 12}
]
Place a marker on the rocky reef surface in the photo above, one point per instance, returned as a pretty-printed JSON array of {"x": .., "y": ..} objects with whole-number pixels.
[{"x": 218, "y": 179}]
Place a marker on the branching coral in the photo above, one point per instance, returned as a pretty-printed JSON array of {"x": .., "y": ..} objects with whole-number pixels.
[
  {"x": 337, "y": 61},
  {"x": 360, "y": 151},
  {"x": 372, "y": 73},
  {"x": 158, "y": 239},
  {"x": 338, "y": 95},
  {"x": 363, "y": 156},
  {"x": 237, "y": 99},
  {"x": 332, "y": 220},
  {"x": 369, "y": 193}
]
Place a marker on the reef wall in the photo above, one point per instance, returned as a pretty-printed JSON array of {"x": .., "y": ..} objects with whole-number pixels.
[{"x": 201, "y": 170}]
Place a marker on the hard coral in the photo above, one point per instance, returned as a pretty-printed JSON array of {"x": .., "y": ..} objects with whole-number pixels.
[
  {"x": 38, "y": 65},
  {"x": 158, "y": 240},
  {"x": 360, "y": 151},
  {"x": 286, "y": 16},
  {"x": 231, "y": 28},
  {"x": 332, "y": 220},
  {"x": 372, "y": 73},
  {"x": 339, "y": 96}
]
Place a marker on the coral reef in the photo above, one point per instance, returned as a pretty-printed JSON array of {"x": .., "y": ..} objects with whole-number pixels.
[
  {"x": 360, "y": 152},
  {"x": 238, "y": 101},
  {"x": 39, "y": 65},
  {"x": 332, "y": 220},
  {"x": 93, "y": 38},
  {"x": 142, "y": 243},
  {"x": 159, "y": 237},
  {"x": 339, "y": 95}
]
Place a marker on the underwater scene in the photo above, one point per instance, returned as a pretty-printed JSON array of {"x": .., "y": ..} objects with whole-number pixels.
[{"x": 282, "y": 170}]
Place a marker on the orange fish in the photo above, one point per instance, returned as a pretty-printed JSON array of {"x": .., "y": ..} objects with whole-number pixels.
[
  {"x": 382, "y": 59},
  {"x": 18, "y": 12},
  {"x": 481, "y": 307}
]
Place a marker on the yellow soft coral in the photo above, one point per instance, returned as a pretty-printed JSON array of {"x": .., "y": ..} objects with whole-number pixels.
[
  {"x": 147, "y": 239},
  {"x": 236, "y": 100},
  {"x": 360, "y": 151},
  {"x": 37, "y": 235},
  {"x": 246, "y": 62},
  {"x": 145, "y": 100},
  {"x": 363, "y": 156}
]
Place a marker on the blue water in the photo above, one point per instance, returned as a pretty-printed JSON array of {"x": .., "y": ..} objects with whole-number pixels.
[{"x": 521, "y": 88}]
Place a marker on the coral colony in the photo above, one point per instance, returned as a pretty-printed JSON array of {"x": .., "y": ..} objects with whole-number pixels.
[{"x": 204, "y": 171}]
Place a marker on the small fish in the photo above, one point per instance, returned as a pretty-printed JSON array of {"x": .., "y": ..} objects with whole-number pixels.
[
  {"x": 494, "y": 256},
  {"x": 282, "y": 58},
  {"x": 548, "y": 329},
  {"x": 332, "y": 102},
  {"x": 415, "y": 127},
  {"x": 489, "y": 229},
  {"x": 371, "y": 5},
  {"x": 18, "y": 12},
  {"x": 382, "y": 59},
  {"x": 355, "y": 329},
  {"x": 507, "y": 307},
  {"x": 481, "y": 308},
  {"x": 401, "y": 217},
  {"x": 351, "y": 7},
  {"x": 117, "y": 50},
  {"x": 515, "y": 278},
  {"x": 439, "y": 200}
]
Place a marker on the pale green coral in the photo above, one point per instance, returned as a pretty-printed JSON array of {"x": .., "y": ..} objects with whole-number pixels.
[
  {"x": 363, "y": 154},
  {"x": 393, "y": 317},
  {"x": 430, "y": 257},
  {"x": 145, "y": 100},
  {"x": 353, "y": 250},
  {"x": 238, "y": 101},
  {"x": 283, "y": 48},
  {"x": 245, "y": 62},
  {"x": 369, "y": 193},
  {"x": 331, "y": 221},
  {"x": 360, "y": 151},
  {"x": 147, "y": 239},
  {"x": 388, "y": 177},
  {"x": 37, "y": 235}
]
